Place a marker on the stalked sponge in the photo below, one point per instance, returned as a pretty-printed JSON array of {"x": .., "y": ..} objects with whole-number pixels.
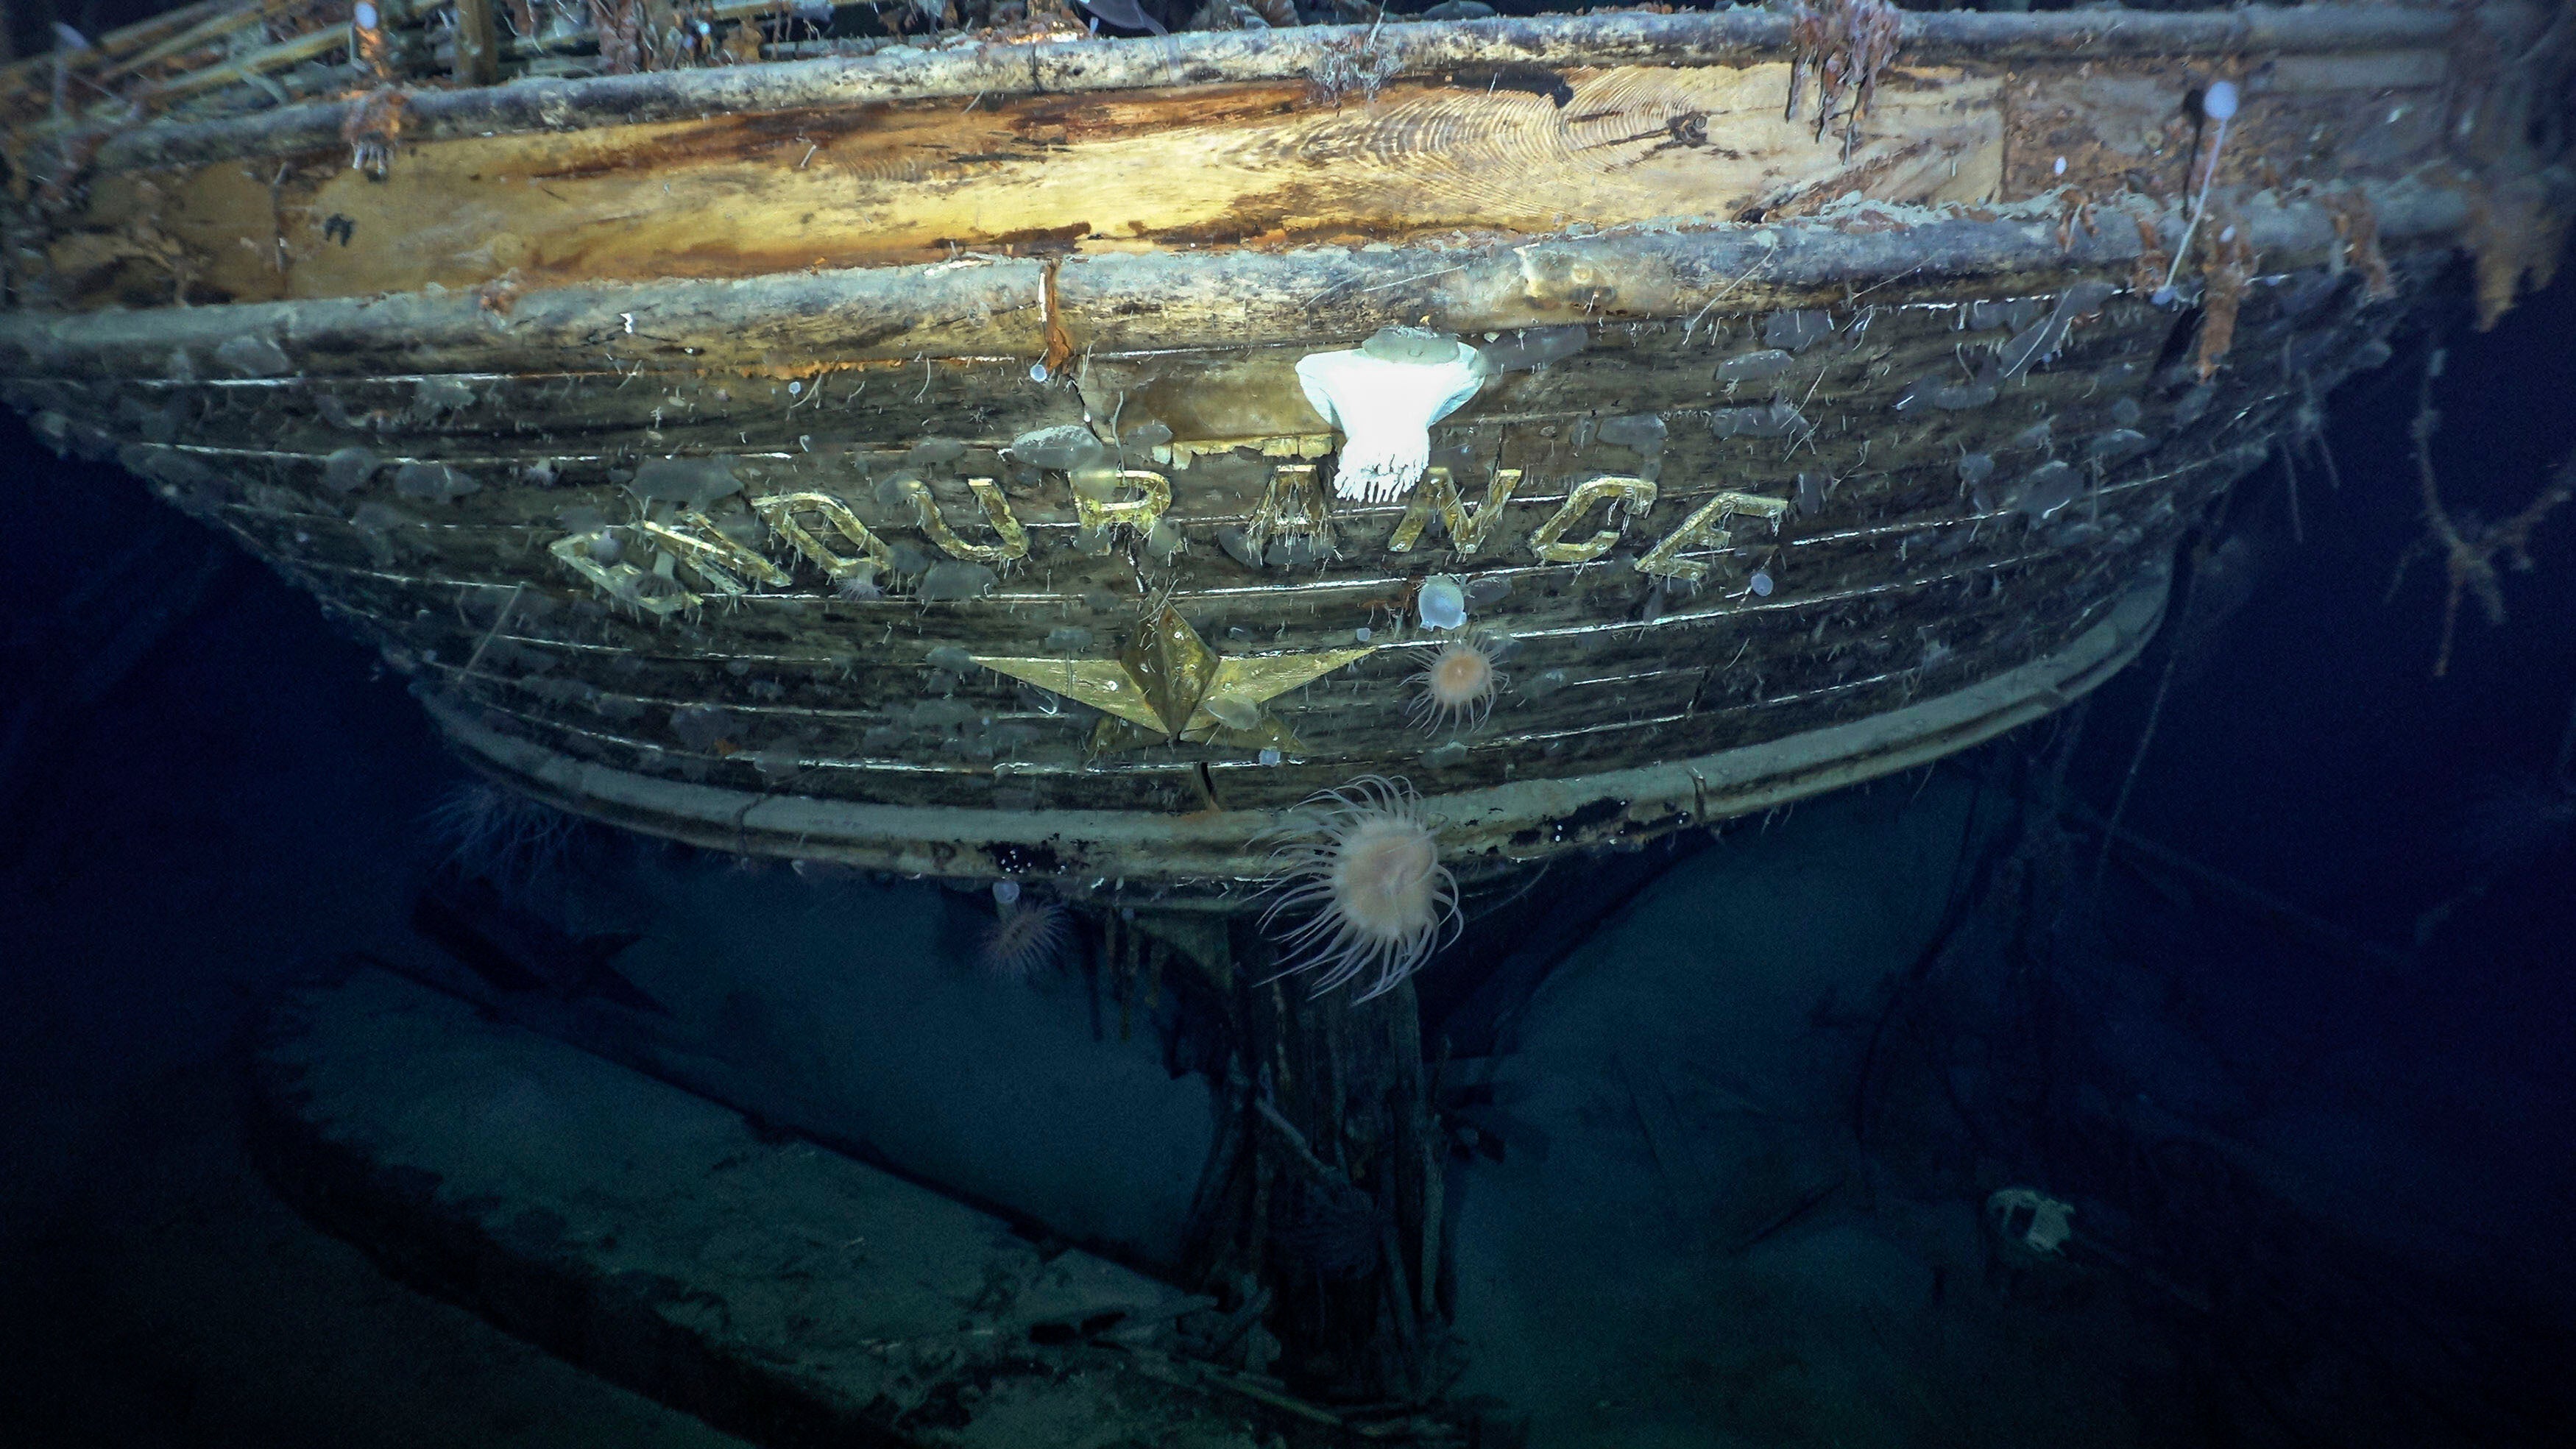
[
  {"x": 2218, "y": 103},
  {"x": 1384, "y": 395}
]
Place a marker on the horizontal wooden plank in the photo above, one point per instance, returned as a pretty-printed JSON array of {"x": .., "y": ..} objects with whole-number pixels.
[
  {"x": 1899, "y": 581},
  {"x": 1171, "y": 848},
  {"x": 1894, "y": 580},
  {"x": 741, "y": 196},
  {"x": 1202, "y": 58},
  {"x": 989, "y": 308},
  {"x": 876, "y": 183}
]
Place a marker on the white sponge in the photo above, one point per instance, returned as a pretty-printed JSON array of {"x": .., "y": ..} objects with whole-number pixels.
[{"x": 1384, "y": 397}]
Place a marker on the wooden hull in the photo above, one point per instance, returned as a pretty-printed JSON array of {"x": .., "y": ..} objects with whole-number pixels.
[{"x": 1810, "y": 486}]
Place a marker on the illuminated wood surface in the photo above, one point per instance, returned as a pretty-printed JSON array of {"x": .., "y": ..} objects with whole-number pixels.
[{"x": 852, "y": 285}]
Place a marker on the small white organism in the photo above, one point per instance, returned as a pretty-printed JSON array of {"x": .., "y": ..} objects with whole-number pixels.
[
  {"x": 1026, "y": 935},
  {"x": 1442, "y": 603}
]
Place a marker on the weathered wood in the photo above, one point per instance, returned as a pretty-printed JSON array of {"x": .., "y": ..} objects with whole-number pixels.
[
  {"x": 1163, "y": 847},
  {"x": 918, "y": 182},
  {"x": 117, "y": 49},
  {"x": 869, "y": 182},
  {"x": 777, "y": 1290},
  {"x": 1756, "y": 483},
  {"x": 1203, "y": 58},
  {"x": 478, "y": 43},
  {"x": 292, "y": 51},
  {"x": 223, "y": 19},
  {"x": 1608, "y": 669},
  {"x": 800, "y": 322},
  {"x": 1331, "y": 1201},
  {"x": 1643, "y": 370}
]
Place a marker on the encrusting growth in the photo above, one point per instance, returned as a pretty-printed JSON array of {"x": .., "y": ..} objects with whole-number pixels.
[
  {"x": 2218, "y": 103},
  {"x": 1845, "y": 45}
]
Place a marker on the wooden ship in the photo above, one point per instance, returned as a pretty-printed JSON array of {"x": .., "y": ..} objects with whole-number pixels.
[
  {"x": 1007, "y": 452},
  {"x": 794, "y": 455}
]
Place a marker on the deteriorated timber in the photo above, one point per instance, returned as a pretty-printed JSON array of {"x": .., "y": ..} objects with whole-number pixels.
[{"x": 663, "y": 425}]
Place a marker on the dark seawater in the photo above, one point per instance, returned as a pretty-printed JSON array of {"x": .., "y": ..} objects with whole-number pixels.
[{"x": 2296, "y": 1052}]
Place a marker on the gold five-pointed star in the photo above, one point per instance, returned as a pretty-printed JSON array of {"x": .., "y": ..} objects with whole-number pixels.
[{"x": 1167, "y": 683}]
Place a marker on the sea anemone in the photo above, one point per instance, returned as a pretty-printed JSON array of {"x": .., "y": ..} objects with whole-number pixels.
[
  {"x": 1458, "y": 684},
  {"x": 1365, "y": 871},
  {"x": 498, "y": 834},
  {"x": 1025, "y": 936}
]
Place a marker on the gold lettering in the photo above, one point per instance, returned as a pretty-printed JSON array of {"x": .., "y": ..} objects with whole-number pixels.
[
  {"x": 712, "y": 556},
  {"x": 1626, "y": 496},
  {"x": 1294, "y": 506},
  {"x": 621, "y": 581},
  {"x": 1700, "y": 530},
  {"x": 1139, "y": 513},
  {"x": 779, "y": 511},
  {"x": 1438, "y": 493},
  {"x": 997, "y": 511}
]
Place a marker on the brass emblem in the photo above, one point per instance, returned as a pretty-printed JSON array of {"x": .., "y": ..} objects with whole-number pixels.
[{"x": 1167, "y": 684}]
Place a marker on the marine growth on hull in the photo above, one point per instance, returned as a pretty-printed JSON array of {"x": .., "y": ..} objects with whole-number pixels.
[
  {"x": 1292, "y": 516},
  {"x": 972, "y": 414}
]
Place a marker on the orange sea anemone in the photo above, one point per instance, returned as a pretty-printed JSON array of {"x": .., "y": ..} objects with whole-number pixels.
[
  {"x": 1458, "y": 685},
  {"x": 1364, "y": 869}
]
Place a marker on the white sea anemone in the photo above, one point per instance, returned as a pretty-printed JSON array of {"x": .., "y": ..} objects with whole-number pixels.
[
  {"x": 1364, "y": 869},
  {"x": 490, "y": 831},
  {"x": 1026, "y": 935},
  {"x": 859, "y": 585},
  {"x": 1458, "y": 684}
]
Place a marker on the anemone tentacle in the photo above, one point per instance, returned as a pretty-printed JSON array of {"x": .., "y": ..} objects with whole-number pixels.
[
  {"x": 1026, "y": 935},
  {"x": 1364, "y": 871}
]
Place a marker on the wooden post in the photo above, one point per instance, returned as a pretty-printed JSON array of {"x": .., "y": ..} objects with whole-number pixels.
[
  {"x": 478, "y": 43},
  {"x": 1335, "y": 1210}
]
